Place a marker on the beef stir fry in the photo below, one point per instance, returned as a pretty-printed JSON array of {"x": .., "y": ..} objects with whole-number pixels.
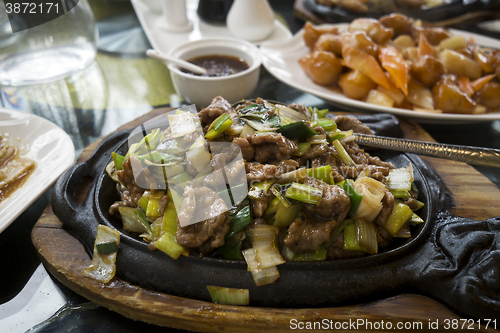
[
  {"x": 397, "y": 62},
  {"x": 263, "y": 183}
]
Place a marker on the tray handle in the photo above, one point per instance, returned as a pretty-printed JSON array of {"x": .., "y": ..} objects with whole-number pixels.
[{"x": 78, "y": 218}]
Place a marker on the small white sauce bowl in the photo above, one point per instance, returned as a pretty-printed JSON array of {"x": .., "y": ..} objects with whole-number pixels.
[{"x": 200, "y": 90}]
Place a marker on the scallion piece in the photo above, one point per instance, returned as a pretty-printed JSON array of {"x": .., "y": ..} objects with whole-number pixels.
[
  {"x": 167, "y": 243},
  {"x": 231, "y": 251},
  {"x": 399, "y": 216},
  {"x": 258, "y": 190},
  {"x": 229, "y": 296},
  {"x": 317, "y": 255},
  {"x": 350, "y": 242},
  {"x": 327, "y": 124},
  {"x": 284, "y": 216},
  {"x": 277, "y": 191},
  {"x": 153, "y": 207},
  {"x": 400, "y": 179},
  {"x": 297, "y": 131},
  {"x": 261, "y": 276},
  {"x": 415, "y": 219},
  {"x": 401, "y": 194},
  {"x": 134, "y": 220},
  {"x": 107, "y": 247},
  {"x": 343, "y": 154},
  {"x": 118, "y": 160},
  {"x": 366, "y": 235},
  {"x": 103, "y": 265},
  {"x": 354, "y": 196},
  {"x": 271, "y": 206},
  {"x": 265, "y": 243},
  {"x": 222, "y": 123},
  {"x": 304, "y": 193},
  {"x": 323, "y": 173},
  {"x": 241, "y": 219},
  {"x": 303, "y": 147},
  {"x": 170, "y": 216}
]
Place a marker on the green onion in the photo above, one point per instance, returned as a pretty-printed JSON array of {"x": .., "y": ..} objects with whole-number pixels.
[
  {"x": 260, "y": 275},
  {"x": 134, "y": 220},
  {"x": 286, "y": 215},
  {"x": 167, "y": 243},
  {"x": 303, "y": 147},
  {"x": 181, "y": 179},
  {"x": 229, "y": 296},
  {"x": 420, "y": 204},
  {"x": 354, "y": 196},
  {"x": 400, "y": 179},
  {"x": 271, "y": 206},
  {"x": 415, "y": 219},
  {"x": 327, "y": 124},
  {"x": 297, "y": 131},
  {"x": 107, "y": 247},
  {"x": 277, "y": 191},
  {"x": 323, "y": 173},
  {"x": 118, "y": 160},
  {"x": 399, "y": 216},
  {"x": 404, "y": 232},
  {"x": 258, "y": 190},
  {"x": 240, "y": 220},
  {"x": 319, "y": 113},
  {"x": 350, "y": 236},
  {"x": 143, "y": 201},
  {"x": 400, "y": 194},
  {"x": 219, "y": 125},
  {"x": 366, "y": 235},
  {"x": 304, "y": 193},
  {"x": 153, "y": 207},
  {"x": 231, "y": 251},
  {"x": 343, "y": 155},
  {"x": 317, "y": 255},
  {"x": 103, "y": 265},
  {"x": 265, "y": 244},
  {"x": 170, "y": 216}
]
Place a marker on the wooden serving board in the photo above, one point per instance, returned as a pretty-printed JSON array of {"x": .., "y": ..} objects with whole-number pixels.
[{"x": 65, "y": 257}]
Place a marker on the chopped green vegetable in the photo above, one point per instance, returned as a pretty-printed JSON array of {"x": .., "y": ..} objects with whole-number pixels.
[
  {"x": 153, "y": 208},
  {"x": 118, "y": 159},
  {"x": 258, "y": 190},
  {"x": 297, "y": 131},
  {"x": 229, "y": 296},
  {"x": 170, "y": 216},
  {"x": 400, "y": 179},
  {"x": 278, "y": 193},
  {"x": 366, "y": 235},
  {"x": 401, "y": 194},
  {"x": 107, "y": 247},
  {"x": 265, "y": 243},
  {"x": 134, "y": 220},
  {"x": 143, "y": 201},
  {"x": 304, "y": 193},
  {"x": 169, "y": 245},
  {"x": 317, "y": 255},
  {"x": 415, "y": 219},
  {"x": 350, "y": 236},
  {"x": 260, "y": 275},
  {"x": 354, "y": 196},
  {"x": 303, "y": 147},
  {"x": 103, "y": 265},
  {"x": 323, "y": 173},
  {"x": 284, "y": 216},
  {"x": 241, "y": 219},
  {"x": 327, "y": 124},
  {"x": 231, "y": 251},
  {"x": 343, "y": 154},
  {"x": 399, "y": 216},
  {"x": 271, "y": 206},
  {"x": 219, "y": 125}
]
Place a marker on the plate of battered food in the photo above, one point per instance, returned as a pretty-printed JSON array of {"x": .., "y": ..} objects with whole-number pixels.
[
  {"x": 395, "y": 65},
  {"x": 33, "y": 153}
]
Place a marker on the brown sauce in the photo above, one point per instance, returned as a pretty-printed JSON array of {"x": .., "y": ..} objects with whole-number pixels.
[
  {"x": 218, "y": 65},
  {"x": 14, "y": 169}
]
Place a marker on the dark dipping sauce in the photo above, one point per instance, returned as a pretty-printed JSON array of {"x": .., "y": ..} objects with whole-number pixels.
[{"x": 218, "y": 65}]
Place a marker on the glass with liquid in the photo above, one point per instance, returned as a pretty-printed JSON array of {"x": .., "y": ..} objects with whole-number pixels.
[{"x": 49, "y": 51}]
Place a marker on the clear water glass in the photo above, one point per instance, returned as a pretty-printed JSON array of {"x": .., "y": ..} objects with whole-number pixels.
[{"x": 49, "y": 51}]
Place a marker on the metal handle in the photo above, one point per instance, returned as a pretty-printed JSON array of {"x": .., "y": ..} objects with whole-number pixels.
[{"x": 472, "y": 155}]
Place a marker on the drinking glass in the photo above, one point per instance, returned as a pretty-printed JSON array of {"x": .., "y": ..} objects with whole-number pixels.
[{"x": 49, "y": 51}]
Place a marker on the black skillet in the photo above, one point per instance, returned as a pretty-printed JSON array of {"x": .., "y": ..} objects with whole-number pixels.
[{"x": 451, "y": 259}]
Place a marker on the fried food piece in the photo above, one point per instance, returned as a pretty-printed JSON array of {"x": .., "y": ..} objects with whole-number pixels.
[
  {"x": 312, "y": 33},
  {"x": 322, "y": 67},
  {"x": 449, "y": 98},
  {"x": 428, "y": 70},
  {"x": 400, "y": 24},
  {"x": 376, "y": 30},
  {"x": 356, "y": 84}
]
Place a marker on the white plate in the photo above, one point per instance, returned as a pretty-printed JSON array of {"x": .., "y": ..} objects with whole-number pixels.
[
  {"x": 163, "y": 41},
  {"x": 46, "y": 144},
  {"x": 281, "y": 60}
]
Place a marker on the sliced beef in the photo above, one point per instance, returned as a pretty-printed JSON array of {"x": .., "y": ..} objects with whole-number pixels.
[
  {"x": 129, "y": 191},
  {"x": 334, "y": 204},
  {"x": 346, "y": 123},
  {"x": 257, "y": 172},
  {"x": 209, "y": 232},
  {"x": 306, "y": 235},
  {"x": 218, "y": 106},
  {"x": 271, "y": 146},
  {"x": 286, "y": 166},
  {"x": 387, "y": 207},
  {"x": 247, "y": 150}
]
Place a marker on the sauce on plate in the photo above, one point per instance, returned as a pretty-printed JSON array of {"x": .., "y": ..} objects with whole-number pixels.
[
  {"x": 14, "y": 169},
  {"x": 218, "y": 65}
]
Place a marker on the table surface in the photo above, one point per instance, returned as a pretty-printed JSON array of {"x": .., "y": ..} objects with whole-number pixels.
[{"x": 121, "y": 85}]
